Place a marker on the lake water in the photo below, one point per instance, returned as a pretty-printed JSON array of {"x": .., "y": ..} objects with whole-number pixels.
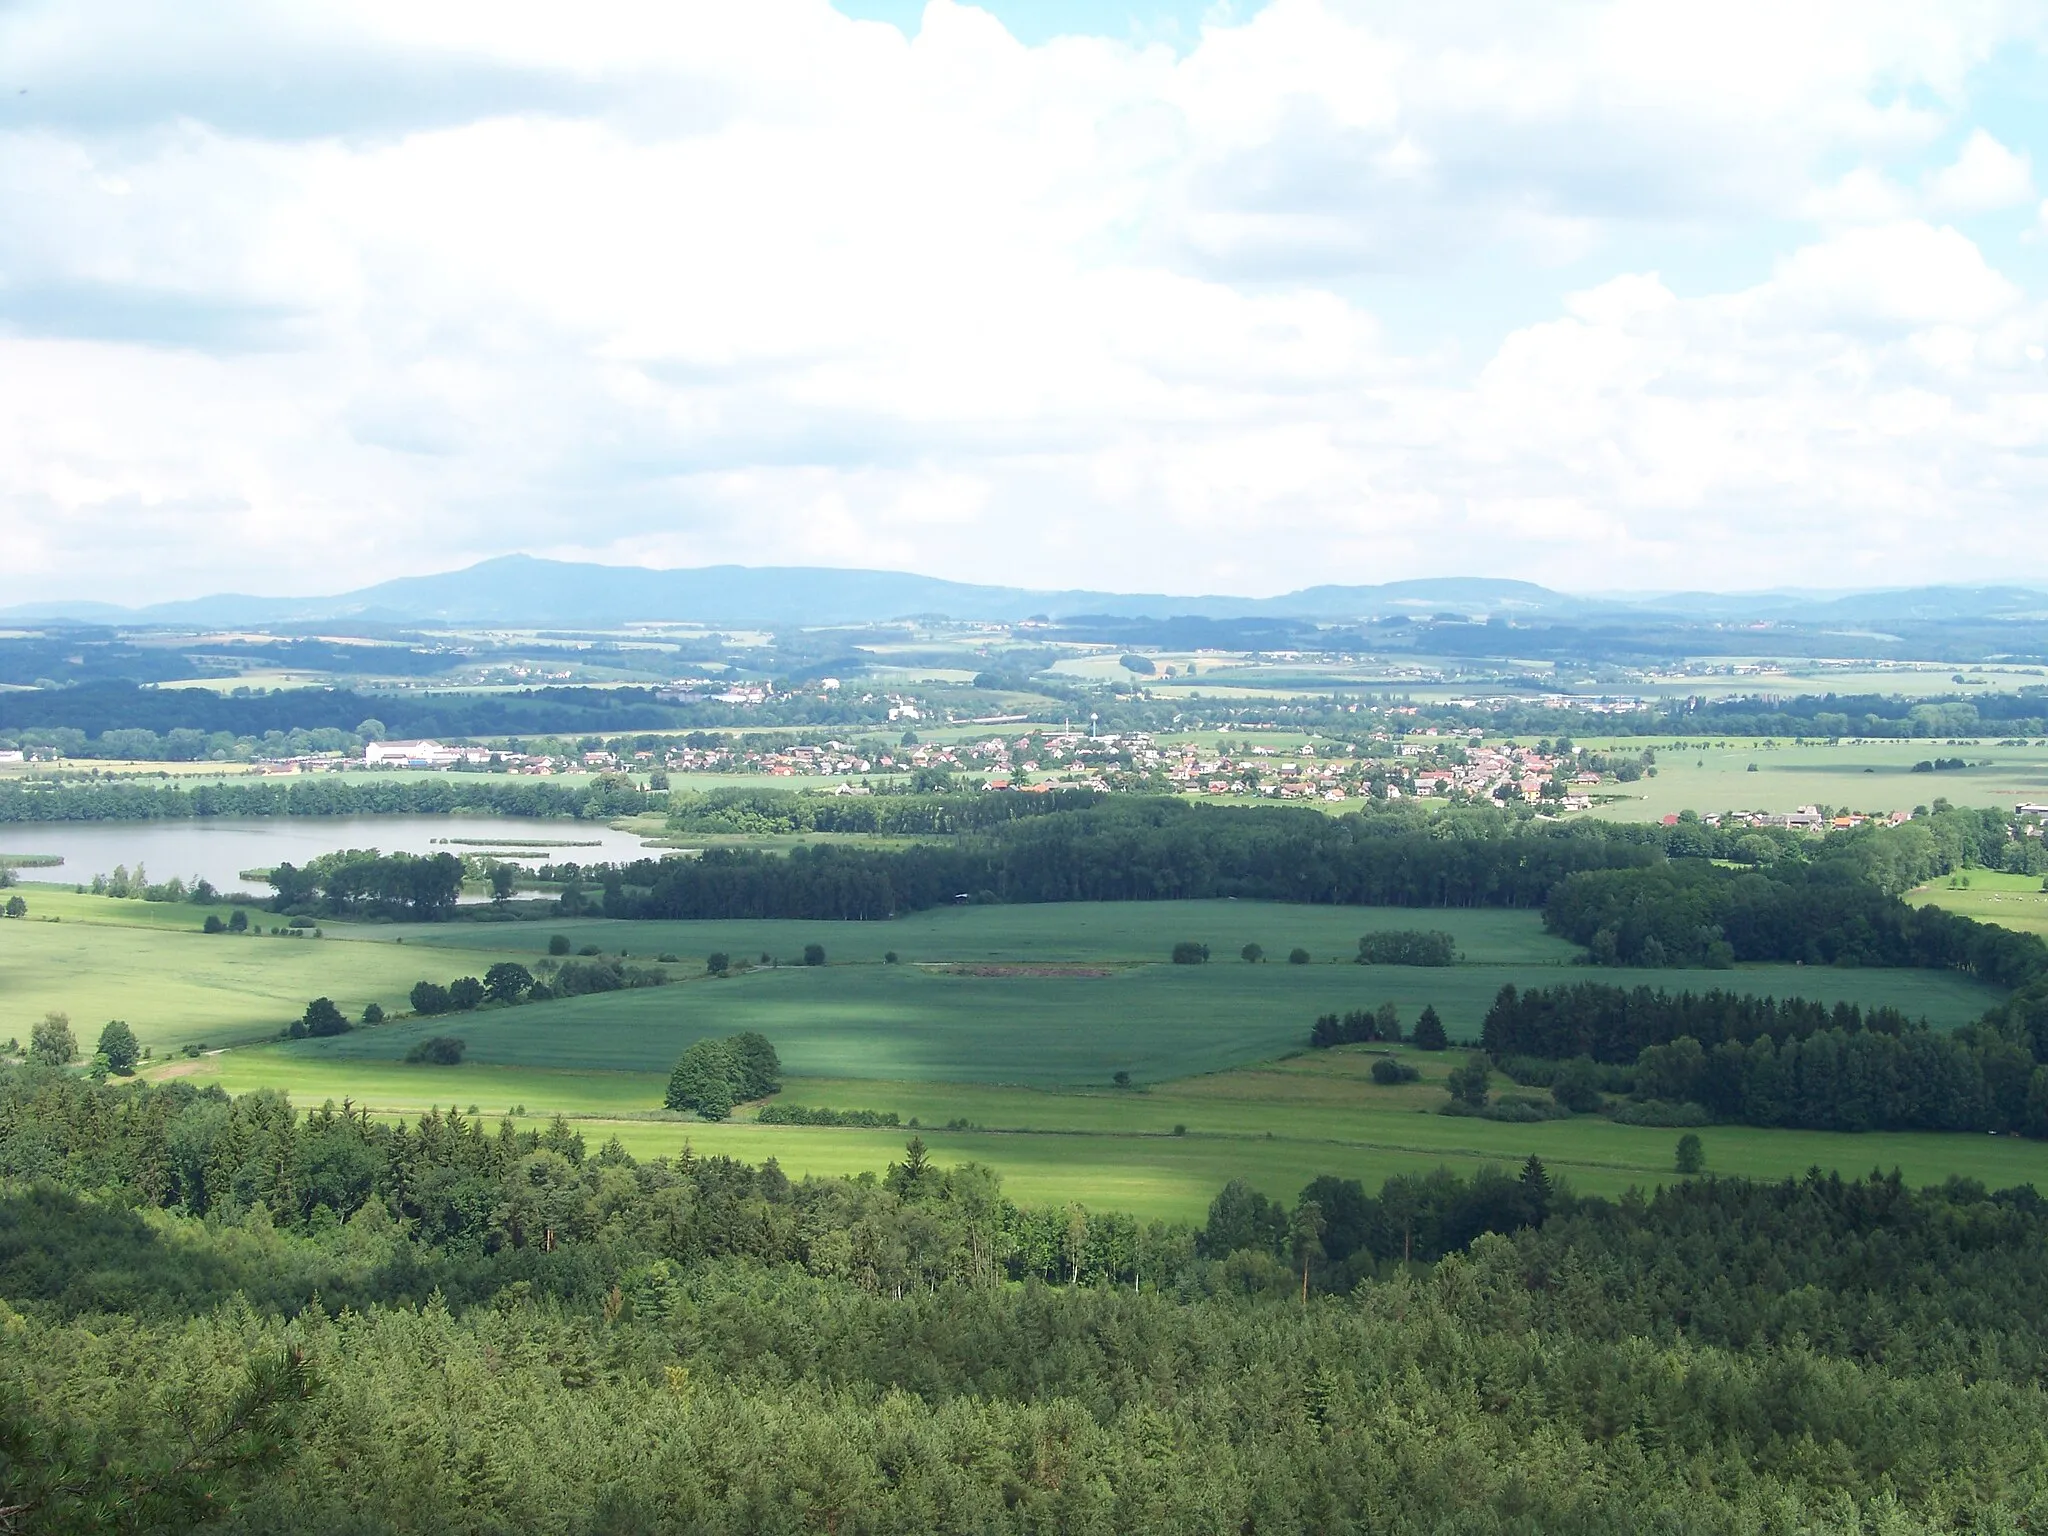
[{"x": 220, "y": 848}]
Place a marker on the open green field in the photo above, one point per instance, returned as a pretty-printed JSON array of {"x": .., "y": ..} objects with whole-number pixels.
[
  {"x": 1096, "y": 932},
  {"x": 1278, "y": 1123},
  {"x": 1117, "y": 1007},
  {"x": 1053, "y": 1027},
  {"x": 1011, "y": 1019},
  {"x": 1859, "y": 776},
  {"x": 2011, "y": 901}
]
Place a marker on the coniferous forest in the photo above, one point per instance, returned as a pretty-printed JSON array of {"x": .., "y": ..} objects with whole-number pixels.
[{"x": 226, "y": 1314}]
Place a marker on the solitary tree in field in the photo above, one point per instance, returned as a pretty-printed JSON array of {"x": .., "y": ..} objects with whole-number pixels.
[
  {"x": 1692, "y": 1156},
  {"x": 1297, "y": 957},
  {"x": 814, "y": 954},
  {"x": 51, "y": 1042},
  {"x": 321, "y": 1018},
  {"x": 1429, "y": 1032},
  {"x": 120, "y": 1047},
  {"x": 1253, "y": 953},
  {"x": 16, "y": 907}
]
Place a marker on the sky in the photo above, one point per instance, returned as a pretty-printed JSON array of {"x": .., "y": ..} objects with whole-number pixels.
[{"x": 1604, "y": 294}]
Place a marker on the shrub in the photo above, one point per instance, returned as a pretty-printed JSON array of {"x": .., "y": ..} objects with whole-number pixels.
[
  {"x": 796, "y": 1114},
  {"x": 1576, "y": 1085},
  {"x": 238, "y": 921},
  {"x": 889, "y": 958},
  {"x": 1121, "y": 1079},
  {"x": 465, "y": 993},
  {"x": 717, "y": 962},
  {"x": 1297, "y": 956},
  {"x": 1660, "y": 1112},
  {"x": 1387, "y": 1072},
  {"x": 1408, "y": 946},
  {"x": 373, "y": 1013},
  {"x": 213, "y": 924},
  {"x": 441, "y": 1051},
  {"x": 588, "y": 950},
  {"x": 1252, "y": 954},
  {"x": 814, "y": 954},
  {"x": 1188, "y": 953},
  {"x": 558, "y": 944},
  {"x": 428, "y": 998},
  {"x": 1468, "y": 1083}
]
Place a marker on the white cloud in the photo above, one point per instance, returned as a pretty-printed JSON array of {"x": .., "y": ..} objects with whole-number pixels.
[
  {"x": 1984, "y": 176},
  {"x": 680, "y": 282}
]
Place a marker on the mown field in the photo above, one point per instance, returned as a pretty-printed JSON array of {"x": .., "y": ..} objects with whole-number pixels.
[
  {"x": 2012, "y": 901},
  {"x": 1278, "y": 1123}
]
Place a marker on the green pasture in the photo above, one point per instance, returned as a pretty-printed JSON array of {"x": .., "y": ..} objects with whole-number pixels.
[
  {"x": 856, "y": 1017},
  {"x": 2011, "y": 901},
  {"x": 1278, "y": 1123},
  {"x": 1083, "y": 932},
  {"x": 179, "y": 986},
  {"x": 1852, "y": 776}
]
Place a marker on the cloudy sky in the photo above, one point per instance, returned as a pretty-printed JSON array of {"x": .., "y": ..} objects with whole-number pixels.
[{"x": 296, "y": 297}]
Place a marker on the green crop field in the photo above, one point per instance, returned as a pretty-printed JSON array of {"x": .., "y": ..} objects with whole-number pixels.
[
  {"x": 1859, "y": 776},
  {"x": 1154, "y": 1021},
  {"x": 1011, "y": 1019},
  {"x": 1089, "y": 932},
  {"x": 148, "y": 963}
]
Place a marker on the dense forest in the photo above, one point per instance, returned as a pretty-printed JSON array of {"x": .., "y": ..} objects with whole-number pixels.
[
  {"x": 227, "y": 1315},
  {"x": 319, "y": 795},
  {"x": 1129, "y": 848},
  {"x": 1791, "y": 1063}
]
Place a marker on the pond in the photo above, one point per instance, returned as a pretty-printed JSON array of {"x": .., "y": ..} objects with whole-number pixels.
[{"x": 220, "y": 848}]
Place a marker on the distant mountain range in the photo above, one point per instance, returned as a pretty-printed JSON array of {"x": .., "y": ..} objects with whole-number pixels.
[{"x": 522, "y": 591}]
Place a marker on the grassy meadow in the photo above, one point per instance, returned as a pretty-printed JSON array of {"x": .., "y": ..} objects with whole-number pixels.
[
  {"x": 1851, "y": 775},
  {"x": 2011, "y": 901},
  {"x": 1005, "y": 1024},
  {"x": 1277, "y": 1123}
]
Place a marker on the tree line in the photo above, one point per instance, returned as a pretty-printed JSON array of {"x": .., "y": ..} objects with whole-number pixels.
[
  {"x": 1790, "y": 1063},
  {"x": 318, "y": 795}
]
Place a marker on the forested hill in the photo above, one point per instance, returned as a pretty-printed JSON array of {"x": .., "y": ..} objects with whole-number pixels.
[
  {"x": 91, "y": 710},
  {"x": 263, "y": 1321}
]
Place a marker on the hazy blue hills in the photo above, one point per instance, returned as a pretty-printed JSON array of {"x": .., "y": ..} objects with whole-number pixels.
[{"x": 521, "y": 590}]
